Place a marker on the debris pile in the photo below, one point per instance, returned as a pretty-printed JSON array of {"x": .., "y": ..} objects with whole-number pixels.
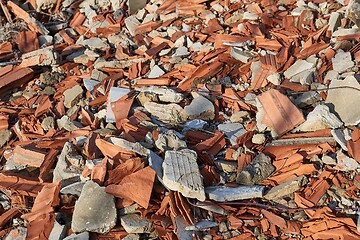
[{"x": 179, "y": 119}]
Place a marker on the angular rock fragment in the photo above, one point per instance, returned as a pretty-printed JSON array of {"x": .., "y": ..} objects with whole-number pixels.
[
  {"x": 345, "y": 163},
  {"x": 95, "y": 43},
  {"x": 66, "y": 123},
  {"x": 181, "y": 173},
  {"x": 131, "y": 23},
  {"x": 232, "y": 131},
  {"x": 72, "y": 96},
  {"x": 227, "y": 166},
  {"x": 48, "y": 123},
  {"x": 342, "y": 61},
  {"x": 133, "y": 223},
  {"x": 135, "y": 147},
  {"x": 58, "y": 232},
  {"x": 353, "y": 11},
  {"x": 94, "y": 210},
  {"x": 5, "y": 136},
  {"x": 200, "y": 108},
  {"x": 239, "y": 54},
  {"x": 202, "y": 226},
  {"x": 80, "y": 236},
  {"x": 339, "y": 137},
  {"x": 298, "y": 67},
  {"x": 224, "y": 194},
  {"x": 258, "y": 170},
  {"x": 169, "y": 141},
  {"x": 69, "y": 164},
  {"x": 164, "y": 94},
  {"x": 286, "y": 188},
  {"x": 156, "y": 72},
  {"x": 342, "y": 99},
  {"x": 319, "y": 118},
  {"x": 169, "y": 113}
]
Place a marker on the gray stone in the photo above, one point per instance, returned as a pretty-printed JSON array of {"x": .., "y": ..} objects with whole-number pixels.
[
  {"x": 274, "y": 78},
  {"x": 286, "y": 188},
  {"x": 58, "y": 232},
  {"x": 239, "y": 116},
  {"x": 258, "y": 138},
  {"x": 5, "y": 136},
  {"x": 181, "y": 173},
  {"x": 94, "y": 210},
  {"x": 241, "y": 55},
  {"x": 181, "y": 226},
  {"x": 334, "y": 21},
  {"x": 169, "y": 113},
  {"x": 73, "y": 188},
  {"x": 102, "y": 63},
  {"x": 181, "y": 52},
  {"x": 89, "y": 84},
  {"x": 135, "y": 147},
  {"x": 95, "y": 43},
  {"x": 326, "y": 159},
  {"x": 342, "y": 61},
  {"x": 80, "y": 236},
  {"x": 345, "y": 163},
  {"x": 258, "y": 170},
  {"x": 67, "y": 124},
  {"x": 309, "y": 98},
  {"x": 353, "y": 11},
  {"x": 224, "y": 194},
  {"x": 155, "y": 162},
  {"x": 98, "y": 75},
  {"x": 319, "y": 118},
  {"x": 72, "y": 96},
  {"x": 339, "y": 137},
  {"x": 164, "y": 94},
  {"x": 298, "y": 67},
  {"x": 227, "y": 166},
  {"x": 202, "y": 226},
  {"x": 115, "y": 94},
  {"x": 200, "y": 108},
  {"x": 50, "y": 78},
  {"x": 232, "y": 131},
  {"x": 133, "y": 223},
  {"x": 156, "y": 72},
  {"x": 69, "y": 165},
  {"x": 131, "y": 23},
  {"x": 169, "y": 141},
  {"x": 48, "y": 123},
  {"x": 344, "y": 99}
]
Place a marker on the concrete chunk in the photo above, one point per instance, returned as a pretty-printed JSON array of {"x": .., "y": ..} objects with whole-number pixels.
[
  {"x": 286, "y": 188},
  {"x": 342, "y": 61},
  {"x": 181, "y": 173},
  {"x": 135, "y": 147},
  {"x": 80, "y": 236},
  {"x": 258, "y": 170},
  {"x": 131, "y": 23},
  {"x": 95, "y": 43},
  {"x": 344, "y": 98},
  {"x": 169, "y": 141},
  {"x": 298, "y": 67},
  {"x": 133, "y": 223},
  {"x": 319, "y": 118},
  {"x": 169, "y": 113},
  {"x": 224, "y": 194},
  {"x": 72, "y": 96},
  {"x": 232, "y": 131},
  {"x": 94, "y": 210},
  {"x": 156, "y": 72},
  {"x": 200, "y": 108}
]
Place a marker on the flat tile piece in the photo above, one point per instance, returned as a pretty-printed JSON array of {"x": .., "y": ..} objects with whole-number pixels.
[
  {"x": 20, "y": 185},
  {"x": 28, "y": 156},
  {"x": 278, "y": 112},
  {"x": 223, "y": 193},
  {"x": 136, "y": 186},
  {"x": 181, "y": 173}
]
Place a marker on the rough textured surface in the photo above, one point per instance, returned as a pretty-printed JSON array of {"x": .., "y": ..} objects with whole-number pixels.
[
  {"x": 285, "y": 188},
  {"x": 181, "y": 173},
  {"x": 169, "y": 141},
  {"x": 258, "y": 170},
  {"x": 5, "y": 136},
  {"x": 342, "y": 100},
  {"x": 72, "y": 96},
  {"x": 224, "y": 194},
  {"x": 170, "y": 113},
  {"x": 200, "y": 108},
  {"x": 133, "y": 223},
  {"x": 94, "y": 210},
  {"x": 232, "y": 131}
]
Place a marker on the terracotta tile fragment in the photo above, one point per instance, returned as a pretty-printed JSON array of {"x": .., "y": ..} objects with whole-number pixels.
[
  {"x": 27, "y": 41},
  {"x": 29, "y": 155}
]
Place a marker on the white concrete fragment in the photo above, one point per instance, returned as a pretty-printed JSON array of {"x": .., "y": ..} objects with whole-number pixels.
[
  {"x": 155, "y": 162},
  {"x": 89, "y": 84},
  {"x": 202, "y": 226},
  {"x": 131, "y": 23},
  {"x": 274, "y": 79},
  {"x": 80, "y": 236},
  {"x": 224, "y": 194},
  {"x": 258, "y": 138},
  {"x": 164, "y": 94},
  {"x": 339, "y": 137},
  {"x": 115, "y": 94},
  {"x": 286, "y": 188},
  {"x": 169, "y": 141},
  {"x": 342, "y": 61},
  {"x": 232, "y": 131},
  {"x": 58, "y": 232},
  {"x": 94, "y": 210},
  {"x": 181, "y": 52},
  {"x": 200, "y": 108},
  {"x": 72, "y": 96},
  {"x": 345, "y": 163},
  {"x": 319, "y": 118},
  {"x": 194, "y": 124},
  {"x": 181, "y": 173},
  {"x": 156, "y": 72},
  {"x": 135, "y": 147},
  {"x": 344, "y": 98},
  {"x": 133, "y": 223},
  {"x": 241, "y": 55},
  {"x": 309, "y": 98},
  {"x": 95, "y": 43},
  {"x": 334, "y": 21},
  {"x": 298, "y": 67},
  {"x": 169, "y": 113},
  {"x": 227, "y": 166}
]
